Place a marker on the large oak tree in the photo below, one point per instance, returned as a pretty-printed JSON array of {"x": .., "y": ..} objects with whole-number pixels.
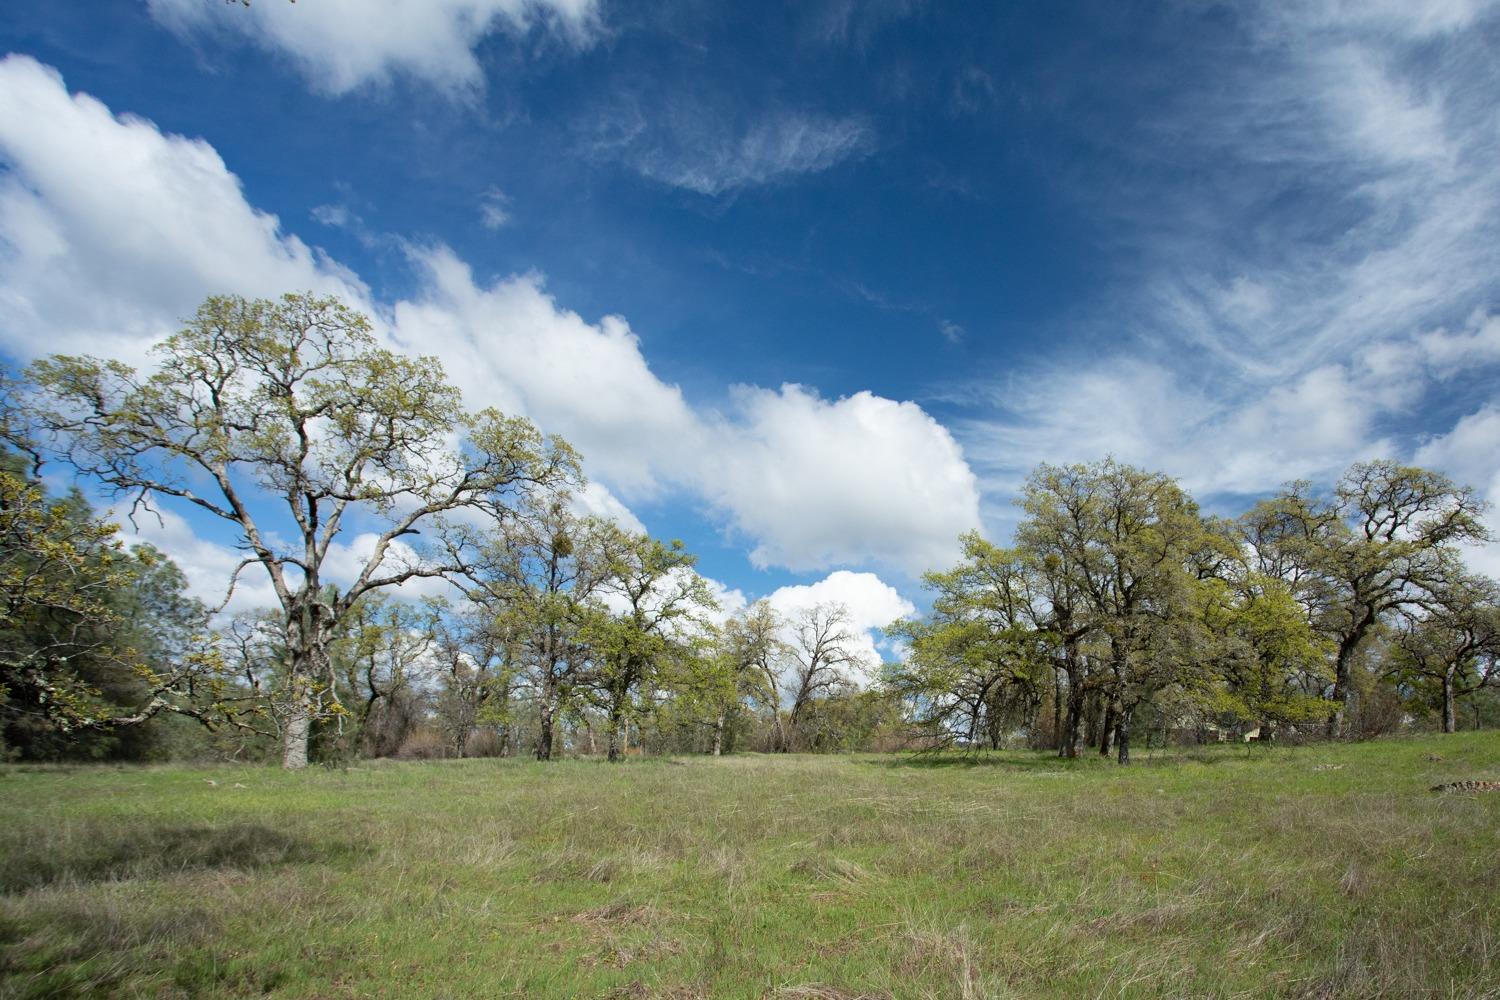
[{"x": 286, "y": 420}]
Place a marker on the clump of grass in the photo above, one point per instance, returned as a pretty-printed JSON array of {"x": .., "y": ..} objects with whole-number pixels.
[{"x": 817, "y": 991}]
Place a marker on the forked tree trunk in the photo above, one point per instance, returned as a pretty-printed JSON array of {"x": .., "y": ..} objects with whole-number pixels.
[
  {"x": 1343, "y": 668},
  {"x": 507, "y": 739},
  {"x": 548, "y": 708},
  {"x": 719, "y": 734}
]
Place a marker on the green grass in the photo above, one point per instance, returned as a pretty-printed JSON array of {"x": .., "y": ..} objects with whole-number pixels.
[{"x": 1325, "y": 871}]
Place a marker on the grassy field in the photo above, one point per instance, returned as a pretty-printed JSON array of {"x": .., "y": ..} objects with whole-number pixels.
[{"x": 1326, "y": 871}]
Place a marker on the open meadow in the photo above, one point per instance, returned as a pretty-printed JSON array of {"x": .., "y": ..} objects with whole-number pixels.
[{"x": 1321, "y": 871}]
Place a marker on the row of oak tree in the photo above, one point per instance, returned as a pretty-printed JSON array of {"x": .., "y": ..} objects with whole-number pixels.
[{"x": 285, "y": 421}]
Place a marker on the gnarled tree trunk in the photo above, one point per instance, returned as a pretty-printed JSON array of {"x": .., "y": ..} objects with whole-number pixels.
[
  {"x": 1122, "y": 732},
  {"x": 1450, "y": 706},
  {"x": 546, "y": 719},
  {"x": 1107, "y": 729},
  {"x": 297, "y": 725},
  {"x": 616, "y": 723},
  {"x": 1074, "y": 720},
  {"x": 307, "y": 666}
]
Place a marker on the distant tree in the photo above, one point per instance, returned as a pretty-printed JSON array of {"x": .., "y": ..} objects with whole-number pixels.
[
  {"x": 691, "y": 701},
  {"x": 1271, "y": 664},
  {"x": 541, "y": 575},
  {"x": 1117, "y": 545},
  {"x": 383, "y": 653},
  {"x": 476, "y": 649},
  {"x": 1448, "y": 647},
  {"x": 1382, "y": 543},
  {"x": 757, "y": 654},
  {"x": 717, "y": 677},
  {"x": 662, "y": 601},
  {"x": 292, "y": 402},
  {"x": 849, "y": 718},
  {"x": 1058, "y": 504},
  {"x": 979, "y": 654},
  {"x": 720, "y": 678},
  {"x": 820, "y": 653},
  {"x": 169, "y": 631},
  {"x": 251, "y": 647}
]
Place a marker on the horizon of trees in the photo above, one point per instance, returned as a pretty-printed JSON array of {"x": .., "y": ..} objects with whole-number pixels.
[
  {"x": 1120, "y": 603},
  {"x": 1120, "y": 614}
]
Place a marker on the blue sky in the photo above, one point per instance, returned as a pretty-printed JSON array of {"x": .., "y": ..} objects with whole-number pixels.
[{"x": 815, "y": 285}]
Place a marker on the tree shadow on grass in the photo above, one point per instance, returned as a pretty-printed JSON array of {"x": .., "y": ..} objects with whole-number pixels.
[
  {"x": 1007, "y": 760},
  {"x": 1040, "y": 761},
  {"x": 92, "y": 941},
  {"x": 76, "y": 943},
  {"x": 74, "y": 923},
  {"x": 138, "y": 850}
]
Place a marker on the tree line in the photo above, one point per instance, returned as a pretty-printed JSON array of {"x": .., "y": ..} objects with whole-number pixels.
[
  {"x": 1121, "y": 602},
  {"x": 1119, "y": 606},
  {"x": 288, "y": 424}
]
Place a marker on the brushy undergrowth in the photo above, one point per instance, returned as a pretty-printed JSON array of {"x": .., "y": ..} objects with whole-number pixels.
[{"x": 1326, "y": 871}]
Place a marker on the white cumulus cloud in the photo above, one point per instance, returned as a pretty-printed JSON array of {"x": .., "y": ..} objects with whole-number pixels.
[
  {"x": 821, "y": 482},
  {"x": 871, "y": 603},
  {"x": 207, "y": 565},
  {"x": 340, "y": 45},
  {"x": 112, "y": 232},
  {"x": 509, "y": 344}
]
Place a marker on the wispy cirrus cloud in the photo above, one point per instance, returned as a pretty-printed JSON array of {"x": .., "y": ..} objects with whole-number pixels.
[
  {"x": 697, "y": 148},
  {"x": 853, "y": 22},
  {"x": 494, "y": 209},
  {"x": 1315, "y": 238}
]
